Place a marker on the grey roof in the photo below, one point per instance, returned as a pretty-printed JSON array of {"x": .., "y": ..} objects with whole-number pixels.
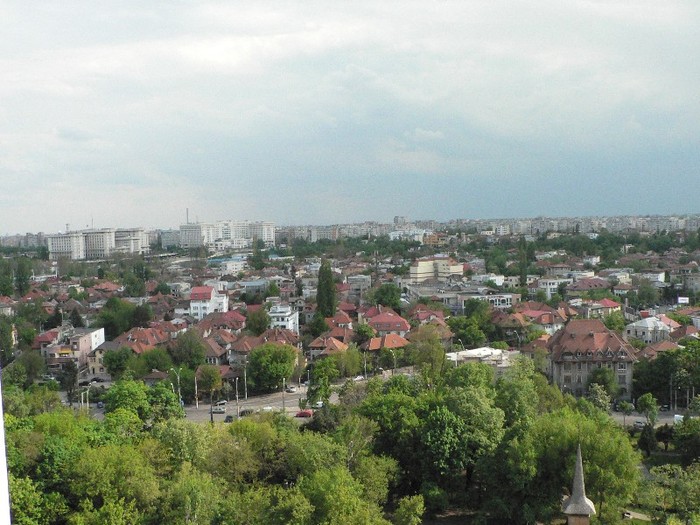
[{"x": 578, "y": 504}]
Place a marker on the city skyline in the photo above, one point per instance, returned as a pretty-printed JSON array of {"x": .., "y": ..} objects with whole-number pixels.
[{"x": 123, "y": 114}]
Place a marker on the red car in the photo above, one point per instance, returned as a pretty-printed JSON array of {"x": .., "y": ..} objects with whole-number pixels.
[{"x": 304, "y": 413}]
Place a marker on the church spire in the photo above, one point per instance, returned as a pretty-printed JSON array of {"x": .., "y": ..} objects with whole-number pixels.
[{"x": 578, "y": 504}]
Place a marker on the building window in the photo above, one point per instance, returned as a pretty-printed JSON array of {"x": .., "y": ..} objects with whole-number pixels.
[
  {"x": 567, "y": 380},
  {"x": 622, "y": 379},
  {"x": 622, "y": 366}
]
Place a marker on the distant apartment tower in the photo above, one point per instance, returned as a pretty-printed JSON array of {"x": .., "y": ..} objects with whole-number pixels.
[
  {"x": 170, "y": 238},
  {"x": 234, "y": 234}
]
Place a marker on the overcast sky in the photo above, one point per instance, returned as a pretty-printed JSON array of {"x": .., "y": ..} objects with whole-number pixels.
[{"x": 128, "y": 113}]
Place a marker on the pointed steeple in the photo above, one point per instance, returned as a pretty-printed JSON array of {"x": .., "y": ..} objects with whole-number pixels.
[{"x": 578, "y": 504}]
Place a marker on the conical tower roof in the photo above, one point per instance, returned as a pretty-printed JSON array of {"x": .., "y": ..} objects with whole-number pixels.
[{"x": 578, "y": 504}]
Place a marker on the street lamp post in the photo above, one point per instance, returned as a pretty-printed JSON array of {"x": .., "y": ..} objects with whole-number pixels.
[
  {"x": 284, "y": 408},
  {"x": 245, "y": 377},
  {"x": 177, "y": 374},
  {"x": 196, "y": 394},
  {"x": 238, "y": 407}
]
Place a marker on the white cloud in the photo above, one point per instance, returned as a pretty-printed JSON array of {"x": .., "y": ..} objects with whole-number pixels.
[{"x": 230, "y": 100}]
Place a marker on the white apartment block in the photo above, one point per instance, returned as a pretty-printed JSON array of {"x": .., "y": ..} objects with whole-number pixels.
[
  {"x": 66, "y": 246},
  {"x": 434, "y": 268},
  {"x": 97, "y": 243},
  {"x": 226, "y": 234},
  {"x": 205, "y": 300},
  {"x": 549, "y": 286},
  {"x": 284, "y": 316}
]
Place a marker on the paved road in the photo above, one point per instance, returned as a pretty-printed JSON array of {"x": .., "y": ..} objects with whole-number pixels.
[
  {"x": 664, "y": 417},
  {"x": 271, "y": 402}
]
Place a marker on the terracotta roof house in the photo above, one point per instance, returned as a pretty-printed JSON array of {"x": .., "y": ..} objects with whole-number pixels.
[
  {"x": 151, "y": 337},
  {"x": 651, "y": 352},
  {"x": 215, "y": 354},
  {"x": 389, "y": 341},
  {"x": 684, "y": 331},
  {"x": 324, "y": 346},
  {"x": 346, "y": 335},
  {"x": 348, "y": 308},
  {"x": 584, "y": 345},
  {"x": 583, "y": 286},
  {"x": 550, "y": 321},
  {"x": 340, "y": 319},
  {"x": 389, "y": 322}
]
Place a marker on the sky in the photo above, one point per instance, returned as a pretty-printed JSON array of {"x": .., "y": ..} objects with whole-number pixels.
[{"x": 131, "y": 113}]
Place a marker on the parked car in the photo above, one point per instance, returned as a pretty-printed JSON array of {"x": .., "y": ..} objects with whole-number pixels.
[
  {"x": 304, "y": 413},
  {"x": 318, "y": 404},
  {"x": 228, "y": 419},
  {"x": 290, "y": 389},
  {"x": 100, "y": 405},
  {"x": 221, "y": 403},
  {"x": 218, "y": 409},
  {"x": 359, "y": 378},
  {"x": 97, "y": 380},
  {"x": 639, "y": 424},
  {"x": 246, "y": 412},
  {"x": 48, "y": 377}
]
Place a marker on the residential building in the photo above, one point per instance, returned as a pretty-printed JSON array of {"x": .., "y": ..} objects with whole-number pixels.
[
  {"x": 205, "y": 300},
  {"x": 650, "y": 330},
  {"x": 585, "y": 345},
  {"x": 437, "y": 268},
  {"x": 284, "y": 316}
]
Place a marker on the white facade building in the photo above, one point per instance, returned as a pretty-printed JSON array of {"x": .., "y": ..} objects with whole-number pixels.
[
  {"x": 205, "y": 300},
  {"x": 284, "y": 316}
]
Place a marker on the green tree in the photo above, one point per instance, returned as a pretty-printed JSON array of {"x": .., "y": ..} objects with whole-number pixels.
[
  {"x": 164, "y": 402},
  {"x": 318, "y": 325},
  {"x": 130, "y": 395},
  {"x": 466, "y": 330},
  {"x": 189, "y": 350},
  {"x": 269, "y": 364},
  {"x": 598, "y": 397},
  {"x": 647, "y": 440},
  {"x": 604, "y": 377},
  {"x": 626, "y": 408},
  {"x": 209, "y": 380},
  {"x": 326, "y": 291},
  {"x": 76, "y": 319},
  {"x": 69, "y": 379},
  {"x": 388, "y": 294},
  {"x": 115, "y": 361},
  {"x": 615, "y": 321},
  {"x": 428, "y": 353},
  {"x": 115, "y": 317},
  {"x": 23, "y": 274},
  {"x": 6, "y": 284},
  {"x": 409, "y": 511},
  {"x": 647, "y": 405},
  {"x": 257, "y": 321},
  {"x": 324, "y": 373},
  {"x": 526, "y": 477}
]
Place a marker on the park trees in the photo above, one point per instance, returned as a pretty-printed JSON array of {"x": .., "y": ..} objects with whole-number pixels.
[{"x": 269, "y": 364}]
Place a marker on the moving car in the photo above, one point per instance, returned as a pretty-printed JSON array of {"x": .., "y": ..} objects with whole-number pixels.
[{"x": 304, "y": 413}]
